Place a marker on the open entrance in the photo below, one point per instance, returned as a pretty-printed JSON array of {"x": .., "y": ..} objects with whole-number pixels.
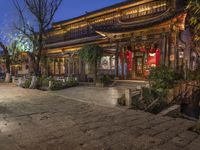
[
  {"x": 136, "y": 60},
  {"x": 139, "y": 65}
]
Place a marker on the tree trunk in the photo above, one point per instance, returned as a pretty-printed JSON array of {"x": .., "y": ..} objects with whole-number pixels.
[
  {"x": 33, "y": 82},
  {"x": 7, "y": 79},
  {"x": 95, "y": 73}
]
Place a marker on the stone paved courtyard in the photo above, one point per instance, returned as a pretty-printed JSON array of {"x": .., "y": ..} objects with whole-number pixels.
[
  {"x": 106, "y": 96},
  {"x": 36, "y": 120}
]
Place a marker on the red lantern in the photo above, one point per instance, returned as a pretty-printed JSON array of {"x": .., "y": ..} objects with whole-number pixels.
[
  {"x": 152, "y": 50},
  {"x": 129, "y": 59},
  {"x": 154, "y": 58},
  {"x": 142, "y": 49}
]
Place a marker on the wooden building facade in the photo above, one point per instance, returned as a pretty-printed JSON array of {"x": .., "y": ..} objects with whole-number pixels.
[{"x": 135, "y": 35}]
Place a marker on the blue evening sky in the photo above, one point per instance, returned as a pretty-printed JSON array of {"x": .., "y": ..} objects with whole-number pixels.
[{"x": 67, "y": 10}]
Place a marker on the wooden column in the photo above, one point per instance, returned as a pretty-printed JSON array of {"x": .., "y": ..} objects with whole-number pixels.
[
  {"x": 123, "y": 63},
  {"x": 65, "y": 64},
  {"x": 80, "y": 69},
  {"x": 110, "y": 59},
  {"x": 73, "y": 64},
  {"x": 117, "y": 61},
  {"x": 167, "y": 50},
  {"x": 68, "y": 64},
  {"x": 163, "y": 50},
  {"x": 54, "y": 67},
  {"x": 172, "y": 47},
  {"x": 59, "y": 66}
]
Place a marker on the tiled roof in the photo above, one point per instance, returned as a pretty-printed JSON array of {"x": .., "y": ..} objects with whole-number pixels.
[
  {"x": 120, "y": 27},
  {"x": 97, "y": 11}
]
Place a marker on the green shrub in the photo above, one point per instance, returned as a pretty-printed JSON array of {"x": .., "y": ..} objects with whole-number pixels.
[
  {"x": 194, "y": 75},
  {"x": 27, "y": 83},
  {"x": 106, "y": 79},
  {"x": 42, "y": 82},
  {"x": 149, "y": 101},
  {"x": 45, "y": 82},
  {"x": 57, "y": 85},
  {"x": 162, "y": 79},
  {"x": 39, "y": 83},
  {"x": 71, "y": 82},
  {"x": 137, "y": 103}
]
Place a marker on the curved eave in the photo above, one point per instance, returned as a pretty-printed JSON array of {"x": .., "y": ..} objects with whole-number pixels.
[
  {"x": 121, "y": 28},
  {"x": 74, "y": 42}
]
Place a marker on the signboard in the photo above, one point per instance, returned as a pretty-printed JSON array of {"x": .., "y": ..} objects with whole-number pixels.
[
  {"x": 171, "y": 58},
  {"x": 181, "y": 54}
]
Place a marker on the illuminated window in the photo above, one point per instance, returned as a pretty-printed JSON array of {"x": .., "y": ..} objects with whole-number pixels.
[{"x": 107, "y": 63}]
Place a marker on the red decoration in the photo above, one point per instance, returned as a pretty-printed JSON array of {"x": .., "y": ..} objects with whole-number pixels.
[
  {"x": 152, "y": 50},
  {"x": 154, "y": 58},
  {"x": 142, "y": 49},
  {"x": 129, "y": 59}
]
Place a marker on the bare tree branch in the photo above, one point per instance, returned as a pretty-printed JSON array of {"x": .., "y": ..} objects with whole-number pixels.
[{"x": 42, "y": 13}]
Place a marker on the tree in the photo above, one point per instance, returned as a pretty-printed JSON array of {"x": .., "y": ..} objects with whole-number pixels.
[
  {"x": 193, "y": 9},
  {"x": 92, "y": 54},
  {"x": 35, "y": 18},
  {"x": 10, "y": 53},
  {"x": 7, "y": 60}
]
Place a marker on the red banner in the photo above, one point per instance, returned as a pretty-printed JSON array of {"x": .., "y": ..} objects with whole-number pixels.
[{"x": 154, "y": 57}]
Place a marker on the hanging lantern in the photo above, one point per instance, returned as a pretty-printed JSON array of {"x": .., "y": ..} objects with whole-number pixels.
[
  {"x": 129, "y": 58},
  {"x": 143, "y": 49},
  {"x": 152, "y": 50},
  {"x": 154, "y": 58}
]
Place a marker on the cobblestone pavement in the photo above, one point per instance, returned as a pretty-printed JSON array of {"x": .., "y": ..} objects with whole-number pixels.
[
  {"x": 36, "y": 120},
  {"x": 106, "y": 96}
]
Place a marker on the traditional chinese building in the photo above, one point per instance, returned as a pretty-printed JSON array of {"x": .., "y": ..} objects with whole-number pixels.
[
  {"x": 136, "y": 36},
  {"x": 21, "y": 65}
]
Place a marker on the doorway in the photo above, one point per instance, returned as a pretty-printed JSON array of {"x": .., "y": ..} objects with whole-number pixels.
[{"x": 139, "y": 65}]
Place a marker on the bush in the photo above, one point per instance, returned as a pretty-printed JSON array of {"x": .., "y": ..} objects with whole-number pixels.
[
  {"x": 42, "y": 82},
  {"x": 162, "y": 79},
  {"x": 27, "y": 83},
  {"x": 57, "y": 85},
  {"x": 194, "y": 75},
  {"x": 106, "y": 79},
  {"x": 71, "y": 82},
  {"x": 137, "y": 103}
]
